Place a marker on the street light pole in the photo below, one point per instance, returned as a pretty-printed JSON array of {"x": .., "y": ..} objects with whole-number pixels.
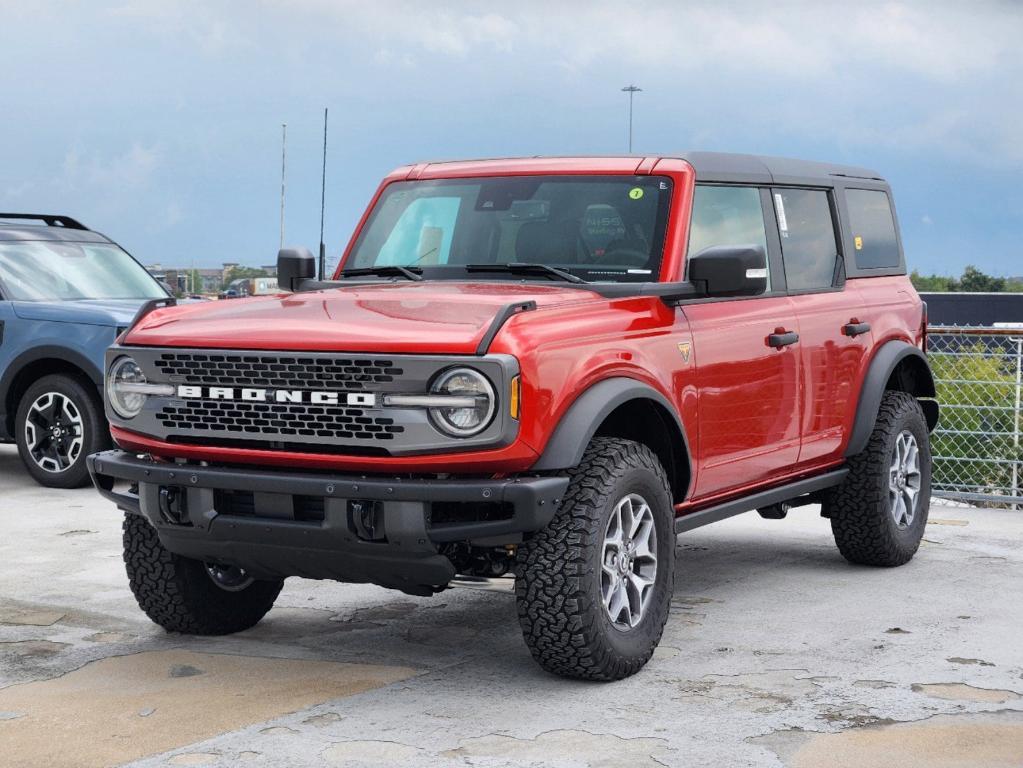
[
  {"x": 284, "y": 150},
  {"x": 632, "y": 90}
]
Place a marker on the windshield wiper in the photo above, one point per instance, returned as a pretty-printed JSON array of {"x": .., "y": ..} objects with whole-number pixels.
[
  {"x": 410, "y": 273},
  {"x": 526, "y": 268}
]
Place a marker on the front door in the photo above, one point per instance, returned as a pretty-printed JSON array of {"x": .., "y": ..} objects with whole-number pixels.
[
  {"x": 746, "y": 354},
  {"x": 749, "y": 391}
]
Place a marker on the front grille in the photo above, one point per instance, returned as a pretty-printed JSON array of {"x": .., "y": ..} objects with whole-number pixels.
[
  {"x": 275, "y": 371},
  {"x": 278, "y": 420}
]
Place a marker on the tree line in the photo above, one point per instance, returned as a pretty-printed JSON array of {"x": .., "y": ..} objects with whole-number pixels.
[{"x": 972, "y": 280}]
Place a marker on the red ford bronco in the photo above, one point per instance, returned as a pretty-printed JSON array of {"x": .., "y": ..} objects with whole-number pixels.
[{"x": 532, "y": 372}]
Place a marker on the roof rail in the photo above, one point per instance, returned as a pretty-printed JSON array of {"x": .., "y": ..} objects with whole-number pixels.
[{"x": 50, "y": 220}]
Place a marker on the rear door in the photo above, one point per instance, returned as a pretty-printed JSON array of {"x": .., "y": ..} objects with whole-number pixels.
[
  {"x": 748, "y": 401},
  {"x": 833, "y": 337}
]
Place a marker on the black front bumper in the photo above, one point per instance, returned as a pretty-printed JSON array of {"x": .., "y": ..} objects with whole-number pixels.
[{"x": 276, "y": 524}]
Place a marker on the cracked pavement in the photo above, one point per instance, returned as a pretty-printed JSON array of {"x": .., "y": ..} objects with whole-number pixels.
[{"x": 776, "y": 653}]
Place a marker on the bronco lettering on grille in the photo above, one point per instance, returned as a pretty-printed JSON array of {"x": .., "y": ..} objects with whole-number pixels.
[{"x": 315, "y": 397}]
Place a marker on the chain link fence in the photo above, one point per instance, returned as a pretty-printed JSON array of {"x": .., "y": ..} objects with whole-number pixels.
[{"x": 976, "y": 448}]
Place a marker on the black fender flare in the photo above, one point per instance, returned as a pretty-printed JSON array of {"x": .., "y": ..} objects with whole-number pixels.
[
  {"x": 51, "y": 352},
  {"x": 583, "y": 418},
  {"x": 884, "y": 363}
]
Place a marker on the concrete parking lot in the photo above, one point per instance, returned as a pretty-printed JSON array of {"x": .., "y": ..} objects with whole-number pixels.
[{"x": 777, "y": 652}]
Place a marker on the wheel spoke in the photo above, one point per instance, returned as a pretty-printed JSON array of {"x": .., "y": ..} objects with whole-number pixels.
[
  {"x": 912, "y": 457},
  {"x": 639, "y": 516},
  {"x": 909, "y": 499},
  {"x": 643, "y": 549},
  {"x": 619, "y": 601}
]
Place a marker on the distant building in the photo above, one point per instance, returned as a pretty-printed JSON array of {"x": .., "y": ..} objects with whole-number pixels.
[{"x": 184, "y": 280}]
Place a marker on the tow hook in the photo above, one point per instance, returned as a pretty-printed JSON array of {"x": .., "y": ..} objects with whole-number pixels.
[{"x": 172, "y": 505}]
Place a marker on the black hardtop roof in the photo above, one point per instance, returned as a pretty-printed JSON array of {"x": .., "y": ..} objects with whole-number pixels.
[
  {"x": 762, "y": 169},
  {"x": 733, "y": 167}
]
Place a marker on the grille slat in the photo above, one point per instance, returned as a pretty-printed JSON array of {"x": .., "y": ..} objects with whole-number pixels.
[
  {"x": 270, "y": 371},
  {"x": 268, "y": 419}
]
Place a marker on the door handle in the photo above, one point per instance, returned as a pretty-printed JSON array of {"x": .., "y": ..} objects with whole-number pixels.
[
  {"x": 782, "y": 338},
  {"x": 854, "y": 328}
]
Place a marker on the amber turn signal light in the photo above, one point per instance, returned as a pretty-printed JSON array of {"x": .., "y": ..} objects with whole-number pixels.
[{"x": 516, "y": 397}]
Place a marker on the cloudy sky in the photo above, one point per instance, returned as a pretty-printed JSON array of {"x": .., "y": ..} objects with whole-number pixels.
[{"x": 159, "y": 122}]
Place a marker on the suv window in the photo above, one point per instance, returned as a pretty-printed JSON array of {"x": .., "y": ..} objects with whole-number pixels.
[
  {"x": 873, "y": 229},
  {"x": 727, "y": 216},
  {"x": 808, "y": 245}
]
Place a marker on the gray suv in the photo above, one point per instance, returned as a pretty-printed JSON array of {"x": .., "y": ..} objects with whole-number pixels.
[{"x": 66, "y": 293}]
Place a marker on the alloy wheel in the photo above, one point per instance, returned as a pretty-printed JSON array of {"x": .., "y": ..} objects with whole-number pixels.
[
  {"x": 629, "y": 562},
  {"x": 54, "y": 432},
  {"x": 904, "y": 479}
]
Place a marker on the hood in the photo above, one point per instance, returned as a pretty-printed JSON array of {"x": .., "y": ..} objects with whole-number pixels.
[
  {"x": 112, "y": 312},
  {"x": 436, "y": 317}
]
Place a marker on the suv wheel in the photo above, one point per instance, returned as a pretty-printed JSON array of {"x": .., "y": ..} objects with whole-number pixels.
[
  {"x": 58, "y": 423},
  {"x": 189, "y": 596},
  {"x": 879, "y": 512},
  {"x": 594, "y": 586}
]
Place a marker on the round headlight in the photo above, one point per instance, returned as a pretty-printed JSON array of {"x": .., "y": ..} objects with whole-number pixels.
[
  {"x": 122, "y": 381},
  {"x": 463, "y": 421}
]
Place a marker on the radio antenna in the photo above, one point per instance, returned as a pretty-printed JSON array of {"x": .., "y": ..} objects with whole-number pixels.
[{"x": 323, "y": 198}]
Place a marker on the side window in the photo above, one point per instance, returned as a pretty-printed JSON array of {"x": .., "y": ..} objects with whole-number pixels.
[
  {"x": 808, "y": 245},
  {"x": 727, "y": 216},
  {"x": 873, "y": 228},
  {"x": 422, "y": 235}
]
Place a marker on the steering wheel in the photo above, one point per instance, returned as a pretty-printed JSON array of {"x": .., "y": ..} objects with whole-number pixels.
[{"x": 629, "y": 256}]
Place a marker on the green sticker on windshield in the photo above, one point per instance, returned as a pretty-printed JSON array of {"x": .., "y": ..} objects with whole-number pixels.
[{"x": 636, "y": 192}]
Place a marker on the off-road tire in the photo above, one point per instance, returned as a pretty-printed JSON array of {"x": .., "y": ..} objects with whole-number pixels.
[
  {"x": 95, "y": 431},
  {"x": 859, "y": 509},
  {"x": 177, "y": 592},
  {"x": 563, "y": 619}
]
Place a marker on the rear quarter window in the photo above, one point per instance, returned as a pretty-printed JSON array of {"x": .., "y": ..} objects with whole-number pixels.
[{"x": 875, "y": 245}]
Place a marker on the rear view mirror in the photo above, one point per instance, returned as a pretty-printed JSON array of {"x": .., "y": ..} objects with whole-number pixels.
[
  {"x": 730, "y": 270},
  {"x": 293, "y": 266}
]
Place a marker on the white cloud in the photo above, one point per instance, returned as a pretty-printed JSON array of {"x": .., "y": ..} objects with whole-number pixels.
[
  {"x": 123, "y": 173},
  {"x": 935, "y": 40}
]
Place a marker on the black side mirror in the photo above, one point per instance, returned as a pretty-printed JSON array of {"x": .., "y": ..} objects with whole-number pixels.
[
  {"x": 729, "y": 270},
  {"x": 293, "y": 266}
]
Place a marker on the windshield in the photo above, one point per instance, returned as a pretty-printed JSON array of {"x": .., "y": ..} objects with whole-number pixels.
[
  {"x": 597, "y": 228},
  {"x": 54, "y": 271}
]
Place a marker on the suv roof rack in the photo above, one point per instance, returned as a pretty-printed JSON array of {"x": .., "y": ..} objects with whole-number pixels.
[{"x": 49, "y": 219}]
